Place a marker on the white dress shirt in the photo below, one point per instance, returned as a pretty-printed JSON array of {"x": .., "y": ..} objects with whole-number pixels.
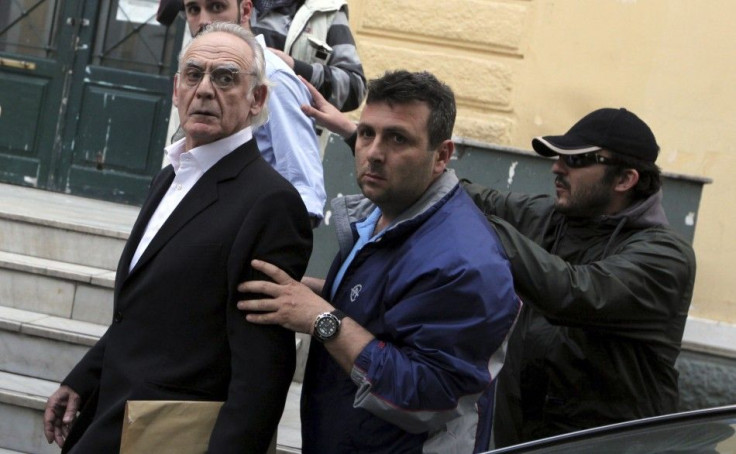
[{"x": 189, "y": 168}]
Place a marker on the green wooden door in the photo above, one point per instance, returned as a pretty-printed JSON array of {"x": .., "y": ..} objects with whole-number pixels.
[
  {"x": 85, "y": 95},
  {"x": 35, "y": 47}
]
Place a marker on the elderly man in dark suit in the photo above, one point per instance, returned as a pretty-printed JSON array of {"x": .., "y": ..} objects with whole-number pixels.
[{"x": 177, "y": 333}]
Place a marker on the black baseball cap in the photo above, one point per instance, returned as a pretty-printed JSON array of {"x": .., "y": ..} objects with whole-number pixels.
[{"x": 616, "y": 130}]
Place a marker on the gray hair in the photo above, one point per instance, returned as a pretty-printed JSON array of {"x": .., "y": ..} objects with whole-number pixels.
[{"x": 258, "y": 69}]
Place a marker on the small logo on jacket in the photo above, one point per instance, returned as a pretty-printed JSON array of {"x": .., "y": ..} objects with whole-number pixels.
[{"x": 355, "y": 292}]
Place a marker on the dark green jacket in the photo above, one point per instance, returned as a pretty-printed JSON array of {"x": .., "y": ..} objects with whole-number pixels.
[{"x": 606, "y": 301}]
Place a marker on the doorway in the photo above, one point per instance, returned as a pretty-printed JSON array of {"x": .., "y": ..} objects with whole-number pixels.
[{"x": 85, "y": 95}]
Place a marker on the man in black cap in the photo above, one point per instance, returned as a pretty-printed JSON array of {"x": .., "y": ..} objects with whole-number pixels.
[{"x": 607, "y": 284}]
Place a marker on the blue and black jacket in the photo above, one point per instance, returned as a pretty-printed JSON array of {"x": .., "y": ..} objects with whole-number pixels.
[{"x": 436, "y": 291}]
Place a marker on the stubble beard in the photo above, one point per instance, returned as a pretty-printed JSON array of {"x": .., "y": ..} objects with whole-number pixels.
[{"x": 589, "y": 201}]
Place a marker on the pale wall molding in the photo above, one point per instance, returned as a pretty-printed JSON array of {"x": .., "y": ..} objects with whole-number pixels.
[{"x": 710, "y": 336}]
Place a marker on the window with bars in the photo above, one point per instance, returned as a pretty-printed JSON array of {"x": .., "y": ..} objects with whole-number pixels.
[
  {"x": 29, "y": 27},
  {"x": 126, "y": 35}
]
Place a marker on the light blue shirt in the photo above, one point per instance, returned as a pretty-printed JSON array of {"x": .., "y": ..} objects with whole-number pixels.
[
  {"x": 365, "y": 229},
  {"x": 288, "y": 141}
]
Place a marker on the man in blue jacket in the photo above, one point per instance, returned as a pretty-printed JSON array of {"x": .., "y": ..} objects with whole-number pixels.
[{"x": 415, "y": 313}]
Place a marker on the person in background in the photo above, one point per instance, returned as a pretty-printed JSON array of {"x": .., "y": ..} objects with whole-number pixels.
[
  {"x": 176, "y": 332},
  {"x": 607, "y": 284},
  {"x": 313, "y": 37},
  {"x": 412, "y": 321},
  {"x": 287, "y": 141}
]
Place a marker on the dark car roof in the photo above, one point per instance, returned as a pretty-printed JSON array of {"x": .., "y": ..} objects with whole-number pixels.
[{"x": 699, "y": 431}]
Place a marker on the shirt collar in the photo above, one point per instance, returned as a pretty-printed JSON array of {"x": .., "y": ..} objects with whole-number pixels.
[
  {"x": 208, "y": 154},
  {"x": 262, "y": 41}
]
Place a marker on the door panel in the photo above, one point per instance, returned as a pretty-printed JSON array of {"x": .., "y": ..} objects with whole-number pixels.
[
  {"x": 119, "y": 139},
  {"x": 21, "y": 100},
  {"x": 123, "y": 133},
  {"x": 32, "y": 75},
  {"x": 116, "y": 129},
  {"x": 119, "y": 134}
]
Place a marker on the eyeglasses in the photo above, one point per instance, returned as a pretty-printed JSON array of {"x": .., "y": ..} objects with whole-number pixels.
[
  {"x": 577, "y": 161},
  {"x": 222, "y": 78}
]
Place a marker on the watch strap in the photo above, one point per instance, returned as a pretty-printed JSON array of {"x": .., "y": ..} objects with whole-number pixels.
[{"x": 339, "y": 314}]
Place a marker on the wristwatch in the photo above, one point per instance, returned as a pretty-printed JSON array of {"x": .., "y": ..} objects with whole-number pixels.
[{"x": 327, "y": 325}]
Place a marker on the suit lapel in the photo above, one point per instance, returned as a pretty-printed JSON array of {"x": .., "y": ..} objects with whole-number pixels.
[
  {"x": 156, "y": 193},
  {"x": 203, "y": 194}
]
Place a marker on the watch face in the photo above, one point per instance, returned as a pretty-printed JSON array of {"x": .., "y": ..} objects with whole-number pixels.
[{"x": 327, "y": 326}]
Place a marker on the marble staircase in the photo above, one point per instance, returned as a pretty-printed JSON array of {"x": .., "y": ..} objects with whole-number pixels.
[
  {"x": 58, "y": 254},
  {"x": 57, "y": 259}
]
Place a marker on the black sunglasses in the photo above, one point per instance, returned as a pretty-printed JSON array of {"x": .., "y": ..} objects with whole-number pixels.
[{"x": 577, "y": 161}]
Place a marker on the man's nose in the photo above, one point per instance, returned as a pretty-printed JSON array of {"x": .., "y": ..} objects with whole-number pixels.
[
  {"x": 205, "y": 19},
  {"x": 559, "y": 167},
  {"x": 205, "y": 89},
  {"x": 374, "y": 152}
]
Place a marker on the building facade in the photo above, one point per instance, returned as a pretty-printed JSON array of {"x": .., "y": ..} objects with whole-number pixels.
[{"x": 522, "y": 68}]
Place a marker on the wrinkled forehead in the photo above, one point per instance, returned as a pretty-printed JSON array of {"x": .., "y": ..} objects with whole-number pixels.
[{"x": 219, "y": 49}]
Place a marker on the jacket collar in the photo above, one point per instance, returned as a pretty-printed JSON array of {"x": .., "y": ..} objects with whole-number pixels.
[
  {"x": 641, "y": 214},
  {"x": 348, "y": 210},
  {"x": 203, "y": 194},
  {"x": 209, "y": 154}
]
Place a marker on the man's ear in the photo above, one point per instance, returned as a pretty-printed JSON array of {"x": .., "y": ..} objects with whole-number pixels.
[
  {"x": 175, "y": 96},
  {"x": 444, "y": 153},
  {"x": 626, "y": 180},
  {"x": 246, "y": 9},
  {"x": 260, "y": 93}
]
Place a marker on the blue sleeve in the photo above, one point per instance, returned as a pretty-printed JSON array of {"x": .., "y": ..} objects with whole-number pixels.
[
  {"x": 448, "y": 344},
  {"x": 289, "y": 143}
]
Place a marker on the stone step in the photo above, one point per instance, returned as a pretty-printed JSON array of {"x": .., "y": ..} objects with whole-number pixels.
[
  {"x": 48, "y": 347},
  {"x": 22, "y": 401},
  {"x": 64, "y": 228},
  {"x": 58, "y": 254},
  {"x": 41, "y": 345},
  {"x": 56, "y": 288},
  {"x": 64, "y": 242}
]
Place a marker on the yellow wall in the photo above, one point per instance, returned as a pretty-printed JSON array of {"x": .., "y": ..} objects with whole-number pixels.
[{"x": 522, "y": 68}]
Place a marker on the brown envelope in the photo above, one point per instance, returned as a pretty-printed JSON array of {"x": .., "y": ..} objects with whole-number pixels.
[
  {"x": 170, "y": 426},
  {"x": 163, "y": 426}
]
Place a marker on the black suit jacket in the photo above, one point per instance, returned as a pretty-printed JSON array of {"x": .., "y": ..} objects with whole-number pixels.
[{"x": 177, "y": 333}]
